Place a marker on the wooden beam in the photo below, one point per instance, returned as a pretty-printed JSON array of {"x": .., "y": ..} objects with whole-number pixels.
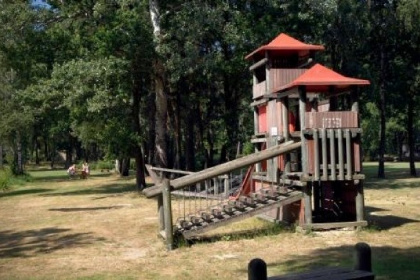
[
  {"x": 224, "y": 168},
  {"x": 258, "y": 64},
  {"x": 334, "y": 225}
]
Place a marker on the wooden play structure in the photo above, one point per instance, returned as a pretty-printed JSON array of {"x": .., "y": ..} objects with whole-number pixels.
[{"x": 306, "y": 168}]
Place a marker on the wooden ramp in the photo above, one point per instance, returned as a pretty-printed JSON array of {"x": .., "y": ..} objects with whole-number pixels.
[{"x": 233, "y": 211}]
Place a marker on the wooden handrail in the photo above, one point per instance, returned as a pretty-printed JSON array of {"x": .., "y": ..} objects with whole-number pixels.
[
  {"x": 258, "y": 64},
  {"x": 224, "y": 168}
]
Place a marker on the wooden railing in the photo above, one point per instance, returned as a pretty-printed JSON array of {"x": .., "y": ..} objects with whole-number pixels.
[
  {"x": 197, "y": 186},
  {"x": 277, "y": 78},
  {"x": 281, "y": 77}
]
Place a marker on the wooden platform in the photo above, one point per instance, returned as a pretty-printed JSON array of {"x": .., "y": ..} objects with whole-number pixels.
[{"x": 328, "y": 273}]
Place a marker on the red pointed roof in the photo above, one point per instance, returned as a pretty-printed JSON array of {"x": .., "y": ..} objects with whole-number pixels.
[
  {"x": 286, "y": 43},
  {"x": 319, "y": 78}
]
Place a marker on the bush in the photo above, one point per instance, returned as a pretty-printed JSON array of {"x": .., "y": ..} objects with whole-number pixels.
[
  {"x": 5, "y": 179},
  {"x": 100, "y": 165}
]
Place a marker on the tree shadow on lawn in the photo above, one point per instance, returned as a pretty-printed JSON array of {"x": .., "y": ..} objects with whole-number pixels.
[
  {"x": 387, "y": 262},
  {"x": 29, "y": 243},
  {"x": 64, "y": 177},
  {"x": 106, "y": 189},
  {"x": 24, "y": 192},
  {"x": 81, "y": 209},
  {"x": 384, "y": 222}
]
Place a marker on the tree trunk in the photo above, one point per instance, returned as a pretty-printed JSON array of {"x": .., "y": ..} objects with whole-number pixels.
[
  {"x": 138, "y": 154},
  {"x": 189, "y": 149},
  {"x": 19, "y": 155},
  {"x": 37, "y": 161},
  {"x": 382, "y": 107},
  {"x": 1, "y": 157},
  {"x": 160, "y": 96},
  {"x": 125, "y": 167},
  {"x": 411, "y": 141}
]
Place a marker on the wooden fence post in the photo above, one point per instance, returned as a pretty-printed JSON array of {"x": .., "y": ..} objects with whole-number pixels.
[
  {"x": 257, "y": 270},
  {"x": 161, "y": 212},
  {"x": 363, "y": 257},
  {"x": 167, "y": 209}
]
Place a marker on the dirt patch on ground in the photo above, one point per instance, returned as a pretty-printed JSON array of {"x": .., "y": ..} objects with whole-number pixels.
[{"x": 101, "y": 228}]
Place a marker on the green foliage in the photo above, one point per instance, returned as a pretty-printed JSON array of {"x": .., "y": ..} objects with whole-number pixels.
[{"x": 5, "y": 179}]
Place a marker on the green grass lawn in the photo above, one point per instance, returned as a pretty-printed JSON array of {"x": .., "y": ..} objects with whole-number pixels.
[{"x": 100, "y": 228}]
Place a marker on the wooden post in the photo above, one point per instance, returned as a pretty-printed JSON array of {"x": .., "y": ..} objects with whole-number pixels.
[
  {"x": 257, "y": 269},
  {"x": 360, "y": 202},
  {"x": 286, "y": 133},
  {"x": 332, "y": 156},
  {"x": 363, "y": 257},
  {"x": 304, "y": 148},
  {"x": 324, "y": 154},
  {"x": 226, "y": 185},
  {"x": 267, "y": 74},
  {"x": 349, "y": 155},
  {"x": 340, "y": 155},
  {"x": 272, "y": 163},
  {"x": 167, "y": 208},
  {"x": 316, "y": 154},
  {"x": 161, "y": 212}
]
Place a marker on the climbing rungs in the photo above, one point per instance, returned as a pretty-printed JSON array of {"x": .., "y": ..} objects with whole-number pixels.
[
  {"x": 269, "y": 193},
  {"x": 238, "y": 205},
  {"x": 206, "y": 216},
  {"x": 248, "y": 201},
  {"x": 230, "y": 213},
  {"x": 259, "y": 197}
]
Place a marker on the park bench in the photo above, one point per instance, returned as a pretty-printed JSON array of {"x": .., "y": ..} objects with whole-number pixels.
[
  {"x": 257, "y": 269},
  {"x": 80, "y": 174}
]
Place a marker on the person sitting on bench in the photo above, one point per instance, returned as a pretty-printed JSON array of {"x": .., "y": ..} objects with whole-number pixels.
[
  {"x": 85, "y": 170},
  {"x": 72, "y": 170}
]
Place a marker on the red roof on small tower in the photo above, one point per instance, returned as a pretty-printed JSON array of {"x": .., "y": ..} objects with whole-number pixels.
[
  {"x": 318, "y": 79},
  {"x": 286, "y": 43}
]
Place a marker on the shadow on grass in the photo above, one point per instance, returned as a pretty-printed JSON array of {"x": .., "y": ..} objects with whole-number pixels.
[
  {"x": 24, "y": 192},
  {"x": 270, "y": 229},
  {"x": 387, "y": 262},
  {"x": 53, "y": 176},
  {"x": 396, "y": 176},
  {"x": 30, "y": 243},
  {"x": 107, "y": 189},
  {"x": 81, "y": 209},
  {"x": 384, "y": 222}
]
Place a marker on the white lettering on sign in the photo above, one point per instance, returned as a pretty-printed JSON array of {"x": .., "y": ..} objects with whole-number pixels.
[{"x": 331, "y": 122}]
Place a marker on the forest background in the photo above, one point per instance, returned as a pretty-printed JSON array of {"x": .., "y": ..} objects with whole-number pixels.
[{"x": 165, "y": 82}]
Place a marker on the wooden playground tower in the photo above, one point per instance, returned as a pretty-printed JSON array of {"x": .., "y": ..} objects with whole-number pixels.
[
  {"x": 307, "y": 166},
  {"x": 296, "y": 99}
]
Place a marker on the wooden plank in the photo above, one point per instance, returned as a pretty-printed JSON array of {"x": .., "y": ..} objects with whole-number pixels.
[
  {"x": 316, "y": 155},
  {"x": 175, "y": 171},
  {"x": 258, "y": 64},
  {"x": 155, "y": 178},
  {"x": 332, "y": 155},
  {"x": 335, "y": 225},
  {"x": 346, "y": 119},
  {"x": 340, "y": 155},
  {"x": 349, "y": 155},
  {"x": 324, "y": 154},
  {"x": 224, "y": 168}
]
